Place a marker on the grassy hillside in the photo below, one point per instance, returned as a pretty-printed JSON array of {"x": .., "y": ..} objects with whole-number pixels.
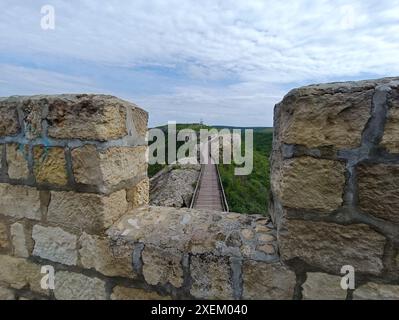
[
  {"x": 245, "y": 194},
  {"x": 249, "y": 194}
]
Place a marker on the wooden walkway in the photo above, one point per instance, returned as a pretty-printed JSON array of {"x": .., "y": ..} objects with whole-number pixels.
[{"x": 209, "y": 192}]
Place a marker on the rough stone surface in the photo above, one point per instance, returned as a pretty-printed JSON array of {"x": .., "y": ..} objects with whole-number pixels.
[
  {"x": 110, "y": 166},
  {"x": 4, "y": 243},
  {"x": 75, "y": 286},
  {"x": 211, "y": 277},
  {"x": 87, "y": 117},
  {"x": 20, "y": 201},
  {"x": 309, "y": 183},
  {"x": 123, "y": 293},
  {"x": 174, "y": 186},
  {"x": 379, "y": 191},
  {"x": 325, "y": 119},
  {"x": 139, "y": 194},
  {"x": 54, "y": 244},
  {"x": 376, "y": 291},
  {"x": 262, "y": 281},
  {"x": 32, "y": 116},
  {"x": 140, "y": 120},
  {"x": 96, "y": 252},
  {"x": 6, "y": 294},
  {"x": 390, "y": 139},
  {"x": 19, "y": 273},
  {"x": 2, "y": 148},
  {"x": 329, "y": 246},
  {"x": 50, "y": 165},
  {"x": 161, "y": 266},
  {"x": 17, "y": 161},
  {"x": 322, "y": 286},
  {"x": 9, "y": 124},
  {"x": 18, "y": 240},
  {"x": 83, "y": 211}
]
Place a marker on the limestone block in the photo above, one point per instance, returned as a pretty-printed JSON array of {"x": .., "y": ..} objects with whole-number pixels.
[
  {"x": 4, "y": 243},
  {"x": 20, "y": 273},
  {"x": 18, "y": 240},
  {"x": 20, "y": 201},
  {"x": 50, "y": 165},
  {"x": 379, "y": 191},
  {"x": 123, "y": 293},
  {"x": 330, "y": 246},
  {"x": 161, "y": 266},
  {"x": 33, "y": 114},
  {"x": 139, "y": 194},
  {"x": 140, "y": 120},
  {"x": 323, "y": 286},
  {"x": 92, "y": 213},
  {"x": 96, "y": 252},
  {"x": 108, "y": 167},
  {"x": 9, "y": 124},
  {"x": 309, "y": 183},
  {"x": 2, "y": 148},
  {"x": 390, "y": 140},
  {"x": 263, "y": 281},
  {"x": 376, "y": 291},
  {"x": 211, "y": 276},
  {"x": 87, "y": 117},
  {"x": 75, "y": 286},
  {"x": 55, "y": 244},
  {"x": 6, "y": 294},
  {"x": 319, "y": 120},
  {"x": 17, "y": 161}
]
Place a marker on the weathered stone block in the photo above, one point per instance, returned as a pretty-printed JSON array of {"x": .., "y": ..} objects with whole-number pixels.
[
  {"x": 87, "y": 117},
  {"x": 33, "y": 115},
  {"x": 161, "y": 266},
  {"x": 376, "y": 291},
  {"x": 211, "y": 276},
  {"x": 323, "y": 286},
  {"x": 330, "y": 246},
  {"x": 18, "y": 240},
  {"x": 9, "y": 124},
  {"x": 390, "y": 140},
  {"x": 108, "y": 167},
  {"x": 55, "y": 244},
  {"x": 379, "y": 190},
  {"x": 20, "y": 273},
  {"x": 263, "y": 281},
  {"x": 2, "y": 148},
  {"x": 140, "y": 120},
  {"x": 96, "y": 252},
  {"x": 17, "y": 161},
  {"x": 75, "y": 286},
  {"x": 309, "y": 183},
  {"x": 319, "y": 120},
  {"x": 4, "y": 243},
  {"x": 92, "y": 213},
  {"x": 139, "y": 195},
  {"x": 50, "y": 165},
  {"x": 123, "y": 293},
  {"x": 20, "y": 201},
  {"x": 6, "y": 294}
]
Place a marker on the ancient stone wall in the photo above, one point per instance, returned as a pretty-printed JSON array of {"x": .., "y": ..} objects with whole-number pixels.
[
  {"x": 70, "y": 166},
  {"x": 74, "y": 194},
  {"x": 335, "y": 187}
]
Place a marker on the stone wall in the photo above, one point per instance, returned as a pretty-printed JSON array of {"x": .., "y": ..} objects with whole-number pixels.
[
  {"x": 335, "y": 187},
  {"x": 74, "y": 194},
  {"x": 70, "y": 167}
]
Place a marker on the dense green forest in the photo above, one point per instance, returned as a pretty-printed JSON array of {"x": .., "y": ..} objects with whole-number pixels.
[
  {"x": 245, "y": 194},
  {"x": 249, "y": 194}
]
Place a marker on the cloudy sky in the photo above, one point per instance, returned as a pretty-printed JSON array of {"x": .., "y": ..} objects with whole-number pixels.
[{"x": 226, "y": 62}]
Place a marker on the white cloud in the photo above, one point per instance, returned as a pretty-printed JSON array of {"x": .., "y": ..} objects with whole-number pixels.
[{"x": 255, "y": 44}]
